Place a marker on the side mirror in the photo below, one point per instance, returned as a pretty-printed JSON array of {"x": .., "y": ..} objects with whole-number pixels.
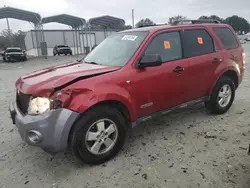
[{"x": 150, "y": 60}]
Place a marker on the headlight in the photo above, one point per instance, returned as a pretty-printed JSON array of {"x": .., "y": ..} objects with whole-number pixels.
[{"x": 39, "y": 105}]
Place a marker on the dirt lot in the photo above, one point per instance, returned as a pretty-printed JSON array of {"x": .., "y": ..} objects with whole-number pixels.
[{"x": 172, "y": 152}]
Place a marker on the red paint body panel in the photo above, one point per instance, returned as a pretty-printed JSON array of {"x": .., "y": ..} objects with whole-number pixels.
[
  {"x": 42, "y": 82},
  {"x": 137, "y": 87}
]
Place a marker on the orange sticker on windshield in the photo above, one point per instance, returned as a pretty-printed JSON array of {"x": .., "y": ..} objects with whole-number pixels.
[
  {"x": 200, "y": 40},
  {"x": 167, "y": 45}
]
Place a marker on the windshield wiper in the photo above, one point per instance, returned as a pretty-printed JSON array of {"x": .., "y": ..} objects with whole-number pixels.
[{"x": 92, "y": 62}]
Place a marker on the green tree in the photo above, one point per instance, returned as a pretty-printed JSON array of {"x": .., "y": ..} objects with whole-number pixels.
[
  {"x": 203, "y": 18},
  {"x": 125, "y": 27},
  {"x": 145, "y": 22},
  {"x": 175, "y": 19},
  {"x": 19, "y": 37},
  {"x": 9, "y": 38},
  {"x": 4, "y": 42},
  {"x": 212, "y": 17},
  {"x": 240, "y": 25}
]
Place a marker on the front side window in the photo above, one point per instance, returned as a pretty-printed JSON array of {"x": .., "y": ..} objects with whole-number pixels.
[
  {"x": 117, "y": 49},
  {"x": 197, "y": 42},
  {"x": 167, "y": 45}
]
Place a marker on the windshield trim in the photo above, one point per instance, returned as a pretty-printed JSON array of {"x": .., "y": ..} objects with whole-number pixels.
[{"x": 125, "y": 32}]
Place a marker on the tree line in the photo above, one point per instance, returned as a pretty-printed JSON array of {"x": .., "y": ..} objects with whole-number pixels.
[
  {"x": 239, "y": 24},
  {"x": 10, "y": 38}
]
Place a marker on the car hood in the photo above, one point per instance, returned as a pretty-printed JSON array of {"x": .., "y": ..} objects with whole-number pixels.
[{"x": 44, "y": 81}]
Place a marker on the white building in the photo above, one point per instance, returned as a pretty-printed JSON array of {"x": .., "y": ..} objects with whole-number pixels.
[{"x": 83, "y": 40}]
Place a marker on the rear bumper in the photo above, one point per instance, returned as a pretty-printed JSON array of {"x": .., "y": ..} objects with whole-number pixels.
[
  {"x": 65, "y": 52},
  {"x": 49, "y": 130},
  {"x": 242, "y": 71}
]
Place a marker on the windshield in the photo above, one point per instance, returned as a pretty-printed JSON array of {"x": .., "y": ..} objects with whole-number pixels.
[
  {"x": 13, "y": 50},
  {"x": 62, "y": 46},
  {"x": 117, "y": 49}
]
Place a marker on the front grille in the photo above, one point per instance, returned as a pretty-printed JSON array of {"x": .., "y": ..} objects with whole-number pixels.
[
  {"x": 15, "y": 57},
  {"x": 22, "y": 101}
]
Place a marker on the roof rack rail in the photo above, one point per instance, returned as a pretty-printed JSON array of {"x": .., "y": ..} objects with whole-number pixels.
[
  {"x": 196, "y": 21},
  {"x": 147, "y": 25}
]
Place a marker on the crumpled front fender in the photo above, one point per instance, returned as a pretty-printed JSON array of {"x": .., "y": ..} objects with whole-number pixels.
[{"x": 81, "y": 99}]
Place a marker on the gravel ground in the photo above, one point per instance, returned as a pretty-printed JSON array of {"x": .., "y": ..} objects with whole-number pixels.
[{"x": 186, "y": 149}]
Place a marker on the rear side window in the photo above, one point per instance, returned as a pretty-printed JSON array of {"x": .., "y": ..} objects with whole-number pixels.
[
  {"x": 197, "y": 42},
  {"x": 227, "y": 37},
  {"x": 168, "y": 45}
]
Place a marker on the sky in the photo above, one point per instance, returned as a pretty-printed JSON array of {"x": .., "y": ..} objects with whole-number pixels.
[{"x": 157, "y": 10}]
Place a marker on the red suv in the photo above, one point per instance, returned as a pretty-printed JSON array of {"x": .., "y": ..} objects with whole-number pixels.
[{"x": 132, "y": 76}]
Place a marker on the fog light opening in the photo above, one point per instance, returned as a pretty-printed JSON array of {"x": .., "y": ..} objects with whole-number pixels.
[{"x": 34, "y": 137}]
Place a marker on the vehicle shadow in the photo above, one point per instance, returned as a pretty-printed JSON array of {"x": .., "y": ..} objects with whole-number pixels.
[{"x": 174, "y": 123}]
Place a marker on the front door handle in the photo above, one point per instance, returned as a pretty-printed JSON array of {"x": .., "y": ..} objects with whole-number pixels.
[
  {"x": 217, "y": 60},
  {"x": 178, "y": 69}
]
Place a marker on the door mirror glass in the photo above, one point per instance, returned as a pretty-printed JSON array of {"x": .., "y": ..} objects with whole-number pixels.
[{"x": 150, "y": 60}]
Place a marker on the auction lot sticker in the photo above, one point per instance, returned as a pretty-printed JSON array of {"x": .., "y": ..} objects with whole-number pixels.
[{"x": 129, "y": 37}]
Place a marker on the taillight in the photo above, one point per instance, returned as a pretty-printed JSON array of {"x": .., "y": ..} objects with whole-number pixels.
[{"x": 243, "y": 58}]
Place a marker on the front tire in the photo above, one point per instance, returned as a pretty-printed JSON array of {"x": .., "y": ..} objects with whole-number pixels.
[
  {"x": 98, "y": 135},
  {"x": 222, "y": 97}
]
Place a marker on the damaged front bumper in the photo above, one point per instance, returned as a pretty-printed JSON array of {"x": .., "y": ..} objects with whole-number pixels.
[
  {"x": 15, "y": 58},
  {"x": 49, "y": 130}
]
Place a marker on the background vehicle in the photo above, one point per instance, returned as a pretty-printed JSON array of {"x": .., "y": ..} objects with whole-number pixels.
[
  {"x": 13, "y": 54},
  {"x": 62, "y": 49},
  {"x": 131, "y": 77}
]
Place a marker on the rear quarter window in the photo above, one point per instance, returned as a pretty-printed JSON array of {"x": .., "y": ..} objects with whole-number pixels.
[{"x": 227, "y": 37}]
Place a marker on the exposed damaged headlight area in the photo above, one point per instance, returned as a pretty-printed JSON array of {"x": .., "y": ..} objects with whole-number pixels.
[{"x": 39, "y": 105}]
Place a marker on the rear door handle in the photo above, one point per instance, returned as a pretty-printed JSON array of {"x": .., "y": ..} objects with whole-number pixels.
[
  {"x": 217, "y": 60},
  {"x": 178, "y": 69}
]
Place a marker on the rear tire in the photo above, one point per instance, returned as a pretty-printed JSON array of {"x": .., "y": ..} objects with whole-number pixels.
[
  {"x": 222, "y": 97},
  {"x": 104, "y": 124}
]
